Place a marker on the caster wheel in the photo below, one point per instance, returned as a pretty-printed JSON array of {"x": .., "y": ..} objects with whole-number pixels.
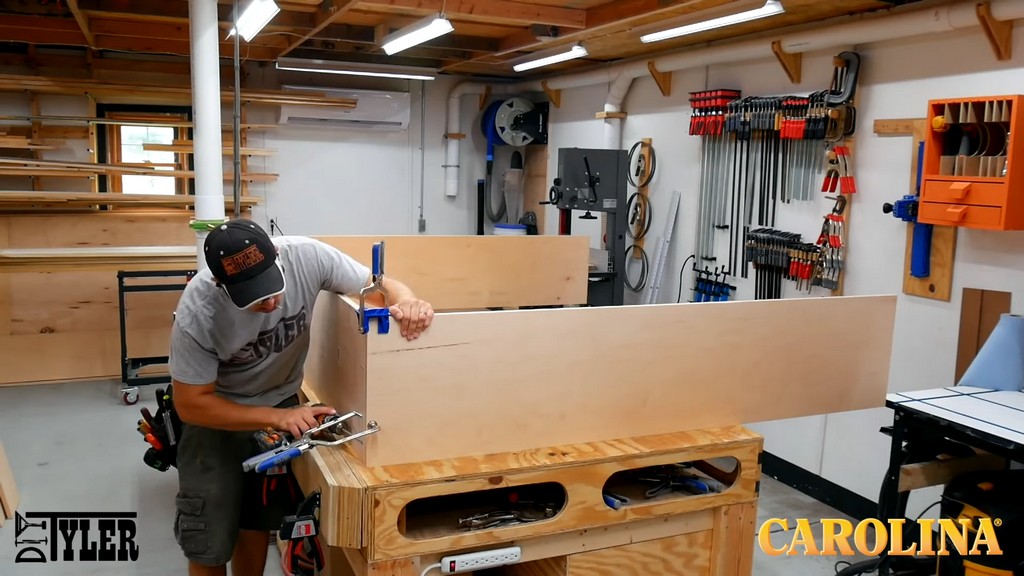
[{"x": 130, "y": 397}]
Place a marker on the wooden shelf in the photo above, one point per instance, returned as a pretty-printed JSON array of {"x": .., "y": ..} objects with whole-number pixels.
[
  {"x": 29, "y": 167},
  {"x": 145, "y": 93},
  {"x": 24, "y": 201},
  {"x": 101, "y": 257}
]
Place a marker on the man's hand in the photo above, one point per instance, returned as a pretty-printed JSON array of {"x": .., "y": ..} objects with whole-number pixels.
[
  {"x": 414, "y": 315},
  {"x": 297, "y": 420}
]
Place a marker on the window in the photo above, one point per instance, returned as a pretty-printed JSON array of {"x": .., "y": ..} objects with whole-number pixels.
[{"x": 151, "y": 136}]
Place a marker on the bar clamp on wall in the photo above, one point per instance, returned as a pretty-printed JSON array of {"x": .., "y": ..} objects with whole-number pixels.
[{"x": 377, "y": 285}]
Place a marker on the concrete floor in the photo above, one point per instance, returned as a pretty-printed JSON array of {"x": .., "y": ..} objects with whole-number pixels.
[{"x": 73, "y": 447}]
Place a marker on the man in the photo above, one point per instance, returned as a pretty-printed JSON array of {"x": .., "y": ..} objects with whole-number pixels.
[{"x": 238, "y": 345}]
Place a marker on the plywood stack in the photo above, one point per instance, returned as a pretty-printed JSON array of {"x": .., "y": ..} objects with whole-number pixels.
[
  {"x": 9, "y": 498},
  {"x": 548, "y": 405}
]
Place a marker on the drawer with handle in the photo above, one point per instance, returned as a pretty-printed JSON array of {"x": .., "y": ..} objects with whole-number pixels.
[
  {"x": 987, "y": 217},
  {"x": 960, "y": 192}
]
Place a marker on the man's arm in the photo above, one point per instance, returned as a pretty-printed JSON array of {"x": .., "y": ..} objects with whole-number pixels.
[
  {"x": 201, "y": 406},
  {"x": 344, "y": 275},
  {"x": 193, "y": 376}
]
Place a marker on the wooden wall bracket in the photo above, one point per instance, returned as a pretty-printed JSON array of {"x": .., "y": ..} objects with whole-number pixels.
[
  {"x": 663, "y": 79},
  {"x": 791, "y": 63},
  {"x": 998, "y": 32},
  {"x": 485, "y": 97},
  {"x": 939, "y": 284},
  {"x": 554, "y": 95},
  {"x": 606, "y": 115}
]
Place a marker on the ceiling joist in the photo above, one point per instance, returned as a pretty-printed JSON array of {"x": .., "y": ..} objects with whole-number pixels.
[{"x": 488, "y": 34}]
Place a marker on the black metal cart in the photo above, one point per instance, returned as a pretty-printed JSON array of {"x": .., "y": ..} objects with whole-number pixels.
[{"x": 131, "y": 367}]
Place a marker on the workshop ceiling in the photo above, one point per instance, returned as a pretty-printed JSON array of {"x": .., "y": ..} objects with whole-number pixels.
[{"x": 488, "y": 35}]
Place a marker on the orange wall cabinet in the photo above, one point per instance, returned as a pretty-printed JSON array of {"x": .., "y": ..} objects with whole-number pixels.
[{"x": 973, "y": 175}]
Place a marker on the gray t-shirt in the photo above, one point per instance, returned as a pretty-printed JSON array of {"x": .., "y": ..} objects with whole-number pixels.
[{"x": 257, "y": 358}]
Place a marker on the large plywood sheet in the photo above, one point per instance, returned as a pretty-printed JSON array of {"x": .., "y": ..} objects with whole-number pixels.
[
  {"x": 467, "y": 272},
  {"x": 502, "y": 381}
]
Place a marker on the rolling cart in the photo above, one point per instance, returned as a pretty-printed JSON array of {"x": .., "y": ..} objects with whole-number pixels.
[{"x": 130, "y": 367}]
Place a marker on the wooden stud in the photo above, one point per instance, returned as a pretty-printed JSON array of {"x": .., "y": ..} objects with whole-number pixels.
[
  {"x": 455, "y": 136},
  {"x": 35, "y": 138},
  {"x": 555, "y": 96},
  {"x": 606, "y": 115},
  {"x": 895, "y": 126},
  {"x": 83, "y": 22},
  {"x": 791, "y": 63},
  {"x": 645, "y": 153},
  {"x": 663, "y": 79},
  {"x": 485, "y": 97},
  {"x": 998, "y": 32}
]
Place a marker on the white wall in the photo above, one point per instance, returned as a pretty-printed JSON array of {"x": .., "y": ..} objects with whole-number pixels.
[
  {"x": 342, "y": 181},
  {"x": 897, "y": 79}
]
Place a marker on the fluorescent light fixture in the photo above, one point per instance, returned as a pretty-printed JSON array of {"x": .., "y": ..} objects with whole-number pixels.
[
  {"x": 423, "y": 31},
  {"x": 563, "y": 54},
  {"x": 355, "y": 69},
  {"x": 770, "y": 8},
  {"x": 255, "y": 17}
]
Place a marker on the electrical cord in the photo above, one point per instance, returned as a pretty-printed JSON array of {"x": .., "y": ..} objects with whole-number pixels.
[
  {"x": 644, "y": 265},
  {"x": 429, "y": 568},
  {"x": 679, "y": 297}
]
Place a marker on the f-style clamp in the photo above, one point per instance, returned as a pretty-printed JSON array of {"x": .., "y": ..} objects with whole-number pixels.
[
  {"x": 332, "y": 425},
  {"x": 377, "y": 285}
]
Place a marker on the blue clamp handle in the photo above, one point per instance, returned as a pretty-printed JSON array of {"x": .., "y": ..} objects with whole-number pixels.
[
  {"x": 278, "y": 459},
  {"x": 377, "y": 285}
]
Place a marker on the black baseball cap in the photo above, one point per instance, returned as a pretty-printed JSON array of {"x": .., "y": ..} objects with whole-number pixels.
[{"x": 244, "y": 261}]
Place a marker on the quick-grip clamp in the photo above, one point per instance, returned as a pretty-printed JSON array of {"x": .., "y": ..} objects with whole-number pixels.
[{"x": 377, "y": 285}]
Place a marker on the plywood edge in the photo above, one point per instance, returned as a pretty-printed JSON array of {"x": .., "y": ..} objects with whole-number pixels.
[
  {"x": 461, "y": 272},
  {"x": 462, "y": 365},
  {"x": 335, "y": 368}
]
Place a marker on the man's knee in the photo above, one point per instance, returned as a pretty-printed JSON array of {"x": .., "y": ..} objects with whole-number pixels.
[{"x": 205, "y": 538}]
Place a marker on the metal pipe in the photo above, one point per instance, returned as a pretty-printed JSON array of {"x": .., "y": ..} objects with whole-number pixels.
[
  {"x": 237, "y": 129},
  {"x": 206, "y": 107}
]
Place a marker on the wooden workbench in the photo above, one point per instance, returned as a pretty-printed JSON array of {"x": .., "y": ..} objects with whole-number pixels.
[{"x": 396, "y": 520}]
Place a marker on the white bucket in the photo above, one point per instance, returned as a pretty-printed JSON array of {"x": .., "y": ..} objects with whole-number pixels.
[{"x": 510, "y": 230}]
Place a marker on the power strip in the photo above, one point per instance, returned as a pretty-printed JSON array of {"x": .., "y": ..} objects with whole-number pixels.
[{"x": 480, "y": 560}]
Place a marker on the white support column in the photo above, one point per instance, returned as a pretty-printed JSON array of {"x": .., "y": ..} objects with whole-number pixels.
[{"x": 206, "y": 111}]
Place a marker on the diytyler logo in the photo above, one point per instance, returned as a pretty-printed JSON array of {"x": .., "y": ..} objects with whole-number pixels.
[{"x": 41, "y": 537}]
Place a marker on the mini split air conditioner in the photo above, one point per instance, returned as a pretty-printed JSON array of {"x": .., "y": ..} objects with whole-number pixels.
[{"x": 375, "y": 110}]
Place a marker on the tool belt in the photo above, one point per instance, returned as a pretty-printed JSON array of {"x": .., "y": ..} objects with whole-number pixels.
[
  {"x": 303, "y": 555},
  {"x": 161, "y": 431}
]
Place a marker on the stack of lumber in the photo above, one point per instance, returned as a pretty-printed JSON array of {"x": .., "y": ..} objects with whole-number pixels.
[
  {"x": 9, "y": 498},
  {"x": 32, "y": 167},
  {"x": 48, "y": 259}
]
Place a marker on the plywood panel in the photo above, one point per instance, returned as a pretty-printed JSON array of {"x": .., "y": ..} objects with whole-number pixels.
[
  {"x": 464, "y": 388},
  {"x": 9, "y": 496},
  {"x": 102, "y": 229},
  {"x": 43, "y": 303},
  {"x": 683, "y": 555},
  {"x": 73, "y": 355},
  {"x": 335, "y": 370},
  {"x": 464, "y": 272}
]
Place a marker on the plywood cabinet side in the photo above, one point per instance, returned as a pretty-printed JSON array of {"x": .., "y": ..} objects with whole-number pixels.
[
  {"x": 503, "y": 381},
  {"x": 336, "y": 365},
  {"x": 475, "y": 272}
]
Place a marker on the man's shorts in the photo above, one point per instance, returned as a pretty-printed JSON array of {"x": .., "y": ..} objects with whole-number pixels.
[{"x": 216, "y": 498}]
